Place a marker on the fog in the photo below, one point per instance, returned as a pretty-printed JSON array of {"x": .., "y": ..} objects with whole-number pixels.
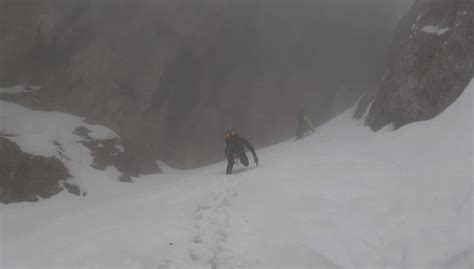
[{"x": 171, "y": 76}]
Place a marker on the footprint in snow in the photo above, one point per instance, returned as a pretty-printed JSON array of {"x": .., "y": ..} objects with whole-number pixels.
[{"x": 197, "y": 239}]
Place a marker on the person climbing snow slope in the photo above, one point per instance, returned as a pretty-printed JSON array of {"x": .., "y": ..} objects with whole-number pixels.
[
  {"x": 302, "y": 124},
  {"x": 235, "y": 149}
]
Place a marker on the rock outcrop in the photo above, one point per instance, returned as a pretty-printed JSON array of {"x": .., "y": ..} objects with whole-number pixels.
[
  {"x": 431, "y": 63},
  {"x": 43, "y": 152},
  {"x": 109, "y": 152},
  {"x": 25, "y": 177}
]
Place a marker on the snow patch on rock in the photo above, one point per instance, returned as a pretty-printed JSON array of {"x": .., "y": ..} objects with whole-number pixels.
[
  {"x": 437, "y": 30},
  {"x": 53, "y": 134},
  {"x": 17, "y": 89}
]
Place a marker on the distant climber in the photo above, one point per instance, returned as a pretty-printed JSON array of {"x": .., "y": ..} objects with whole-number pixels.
[
  {"x": 234, "y": 150},
  {"x": 302, "y": 124}
]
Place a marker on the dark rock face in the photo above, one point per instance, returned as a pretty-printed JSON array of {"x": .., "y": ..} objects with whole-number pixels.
[
  {"x": 23, "y": 177},
  {"x": 170, "y": 76},
  {"x": 432, "y": 61}
]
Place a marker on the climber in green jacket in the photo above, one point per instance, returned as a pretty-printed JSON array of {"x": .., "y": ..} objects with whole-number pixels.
[{"x": 302, "y": 124}]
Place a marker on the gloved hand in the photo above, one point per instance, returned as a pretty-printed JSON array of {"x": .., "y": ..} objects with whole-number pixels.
[{"x": 255, "y": 160}]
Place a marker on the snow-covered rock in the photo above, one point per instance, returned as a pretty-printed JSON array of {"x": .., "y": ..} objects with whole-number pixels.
[
  {"x": 59, "y": 139},
  {"x": 25, "y": 95},
  {"x": 106, "y": 149},
  {"x": 435, "y": 29},
  {"x": 18, "y": 89},
  {"x": 431, "y": 62}
]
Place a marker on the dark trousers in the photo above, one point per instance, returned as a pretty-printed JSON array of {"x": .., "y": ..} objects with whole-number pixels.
[
  {"x": 230, "y": 161},
  {"x": 299, "y": 131}
]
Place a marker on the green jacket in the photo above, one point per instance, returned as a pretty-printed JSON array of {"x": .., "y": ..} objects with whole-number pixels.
[{"x": 308, "y": 121}]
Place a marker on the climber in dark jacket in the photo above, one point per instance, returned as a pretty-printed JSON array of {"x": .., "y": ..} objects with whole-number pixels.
[
  {"x": 235, "y": 149},
  {"x": 302, "y": 123}
]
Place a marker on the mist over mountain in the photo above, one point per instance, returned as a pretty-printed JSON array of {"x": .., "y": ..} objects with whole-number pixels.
[
  {"x": 107, "y": 107},
  {"x": 170, "y": 76}
]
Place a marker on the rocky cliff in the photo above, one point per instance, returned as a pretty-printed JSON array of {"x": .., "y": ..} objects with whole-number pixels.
[
  {"x": 431, "y": 63},
  {"x": 25, "y": 177},
  {"x": 170, "y": 76}
]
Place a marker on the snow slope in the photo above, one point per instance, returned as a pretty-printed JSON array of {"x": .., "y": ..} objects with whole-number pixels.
[{"x": 342, "y": 198}]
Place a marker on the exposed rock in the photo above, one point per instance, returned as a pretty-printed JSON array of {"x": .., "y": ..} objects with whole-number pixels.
[
  {"x": 432, "y": 61},
  {"x": 107, "y": 152},
  {"x": 72, "y": 188},
  {"x": 24, "y": 177}
]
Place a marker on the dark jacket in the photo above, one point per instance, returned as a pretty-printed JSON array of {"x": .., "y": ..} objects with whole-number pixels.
[{"x": 235, "y": 145}]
